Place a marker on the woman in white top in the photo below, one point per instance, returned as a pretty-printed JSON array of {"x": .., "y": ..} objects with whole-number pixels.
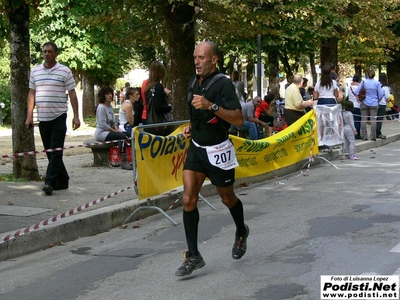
[
  {"x": 127, "y": 114},
  {"x": 326, "y": 90},
  {"x": 382, "y": 105},
  {"x": 353, "y": 98}
]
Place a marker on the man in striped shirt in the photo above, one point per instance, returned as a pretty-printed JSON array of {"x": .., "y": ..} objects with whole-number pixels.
[{"x": 48, "y": 84}]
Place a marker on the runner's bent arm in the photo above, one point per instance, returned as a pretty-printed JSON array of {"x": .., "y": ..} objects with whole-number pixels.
[{"x": 233, "y": 117}]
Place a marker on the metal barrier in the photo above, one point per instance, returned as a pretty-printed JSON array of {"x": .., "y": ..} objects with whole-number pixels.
[
  {"x": 136, "y": 174},
  {"x": 330, "y": 122}
]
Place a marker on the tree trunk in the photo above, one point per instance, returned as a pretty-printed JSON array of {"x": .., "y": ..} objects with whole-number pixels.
[
  {"x": 329, "y": 51},
  {"x": 230, "y": 65},
  {"x": 22, "y": 138},
  {"x": 313, "y": 70},
  {"x": 358, "y": 68},
  {"x": 250, "y": 71},
  {"x": 273, "y": 65},
  {"x": 393, "y": 73},
  {"x": 180, "y": 42},
  {"x": 88, "y": 96},
  {"x": 285, "y": 62}
]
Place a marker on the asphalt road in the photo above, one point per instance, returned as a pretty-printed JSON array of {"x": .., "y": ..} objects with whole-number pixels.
[{"x": 342, "y": 221}]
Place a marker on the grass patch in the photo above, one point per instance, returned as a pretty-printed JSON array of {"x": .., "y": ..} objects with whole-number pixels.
[
  {"x": 5, "y": 127},
  {"x": 90, "y": 121},
  {"x": 10, "y": 178}
]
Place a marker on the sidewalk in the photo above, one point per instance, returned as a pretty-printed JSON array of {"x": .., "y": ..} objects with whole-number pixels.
[{"x": 23, "y": 204}]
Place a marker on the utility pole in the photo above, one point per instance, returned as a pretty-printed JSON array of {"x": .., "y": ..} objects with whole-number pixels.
[{"x": 259, "y": 56}]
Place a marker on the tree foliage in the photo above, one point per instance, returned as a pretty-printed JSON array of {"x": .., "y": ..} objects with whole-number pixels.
[{"x": 85, "y": 48}]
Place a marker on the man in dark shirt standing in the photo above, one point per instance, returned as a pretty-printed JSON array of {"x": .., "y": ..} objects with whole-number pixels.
[{"x": 210, "y": 153}]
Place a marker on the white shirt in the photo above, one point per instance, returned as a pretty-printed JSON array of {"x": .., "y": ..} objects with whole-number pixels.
[
  {"x": 323, "y": 92},
  {"x": 386, "y": 95},
  {"x": 50, "y": 86},
  {"x": 352, "y": 96}
]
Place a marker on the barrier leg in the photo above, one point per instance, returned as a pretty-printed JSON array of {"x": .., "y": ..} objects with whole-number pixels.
[
  {"x": 149, "y": 206},
  {"x": 323, "y": 158},
  {"x": 343, "y": 154},
  {"x": 200, "y": 196},
  {"x": 320, "y": 157},
  {"x": 206, "y": 201}
]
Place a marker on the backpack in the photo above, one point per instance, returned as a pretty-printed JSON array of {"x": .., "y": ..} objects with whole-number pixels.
[{"x": 204, "y": 91}]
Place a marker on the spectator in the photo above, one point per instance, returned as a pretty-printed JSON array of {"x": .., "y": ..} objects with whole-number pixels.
[
  {"x": 294, "y": 103},
  {"x": 52, "y": 106},
  {"x": 394, "y": 110},
  {"x": 264, "y": 112},
  {"x": 250, "y": 120},
  {"x": 239, "y": 86},
  {"x": 369, "y": 106},
  {"x": 303, "y": 90},
  {"x": 356, "y": 104},
  {"x": 143, "y": 96},
  {"x": 127, "y": 114},
  {"x": 334, "y": 76},
  {"x": 349, "y": 131},
  {"x": 382, "y": 105},
  {"x": 309, "y": 93},
  {"x": 289, "y": 80},
  {"x": 155, "y": 88},
  {"x": 121, "y": 96},
  {"x": 106, "y": 129},
  {"x": 326, "y": 90}
]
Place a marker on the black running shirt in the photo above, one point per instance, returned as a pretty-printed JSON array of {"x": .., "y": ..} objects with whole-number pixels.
[{"x": 208, "y": 129}]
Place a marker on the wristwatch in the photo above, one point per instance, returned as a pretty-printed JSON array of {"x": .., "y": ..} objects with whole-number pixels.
[{"x": 214, "y": 107}]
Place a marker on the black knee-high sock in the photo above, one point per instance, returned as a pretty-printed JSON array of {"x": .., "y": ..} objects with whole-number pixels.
[
  {"x": 237, "y": 215},
  {"x": 191, "y": 223}
]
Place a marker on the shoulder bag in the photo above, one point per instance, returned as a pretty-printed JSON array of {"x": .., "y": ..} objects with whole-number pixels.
[
  {"x": 154, "y": 117},
  {"x": 362, "y": 93}
]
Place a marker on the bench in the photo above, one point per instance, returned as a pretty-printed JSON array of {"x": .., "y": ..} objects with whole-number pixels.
[
  {"x": 240, "y": 133},
  {"x": 245, "y": 133},
  {"x": 101, "y": 152}
]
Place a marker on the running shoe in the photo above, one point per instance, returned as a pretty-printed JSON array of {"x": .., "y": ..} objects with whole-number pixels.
[
  {"x": 240, "y": 245},
  {"x": 354, "y": 157},
  {"x": 190, "y": 264}
]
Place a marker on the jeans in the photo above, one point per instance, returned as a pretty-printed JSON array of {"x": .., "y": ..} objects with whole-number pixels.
[
  {"x": 373, "y": 111},
  {"x": 128, "y": 129},
  {"x": 381, "y": 114},
  {"x": 53, "y": 136},
  {"x": 121, "y": 136},
  {"x": 357, "y": 118},
  {"x": 252, "y": 128}
]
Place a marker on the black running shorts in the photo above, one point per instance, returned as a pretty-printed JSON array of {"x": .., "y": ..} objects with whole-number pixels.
[{"x": 197, "y": 160}]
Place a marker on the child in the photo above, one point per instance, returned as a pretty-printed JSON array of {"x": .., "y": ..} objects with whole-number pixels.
[
  {"x": 349, "y": 131},
  {"x": 394, "y": 110}
]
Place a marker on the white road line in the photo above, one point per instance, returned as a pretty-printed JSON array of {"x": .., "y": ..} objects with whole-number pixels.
[{"x": 396, "y": 248}]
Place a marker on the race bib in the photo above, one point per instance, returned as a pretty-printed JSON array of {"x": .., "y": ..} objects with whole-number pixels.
[{"x": 222, "y": 155}]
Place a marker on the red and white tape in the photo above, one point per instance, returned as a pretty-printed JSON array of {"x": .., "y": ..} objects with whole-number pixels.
[
  {"x": 20, "y": 154},
  {"x": 54, "y": 219}
]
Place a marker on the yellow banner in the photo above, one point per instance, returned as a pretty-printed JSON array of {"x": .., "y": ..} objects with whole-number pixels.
[
  {"x": 159, "y": 160},
  {"x": 283, "y": 149}
]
